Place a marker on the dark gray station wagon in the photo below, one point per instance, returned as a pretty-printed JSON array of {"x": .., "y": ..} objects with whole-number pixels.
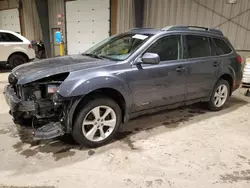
[{"x": 144, "y": 70}]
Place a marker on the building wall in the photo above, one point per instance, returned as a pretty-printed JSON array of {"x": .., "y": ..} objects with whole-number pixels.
[
  {"x": 125, "y": 13},
  {"x": 28, "y": 17},
  {"x": 8, "y": 4},
  {"x": 114, "y": 13},
  {"x": 55, "y": 7},
  {"x": 32, "y": 28},
  {"x": 208, "y": 13}
]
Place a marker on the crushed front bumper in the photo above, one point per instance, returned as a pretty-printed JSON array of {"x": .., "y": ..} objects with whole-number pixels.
[
  {"x": 15, "y": 103},
  {"x": 19, "y": 108}
]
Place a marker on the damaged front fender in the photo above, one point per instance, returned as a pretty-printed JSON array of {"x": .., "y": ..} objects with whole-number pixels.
[{"x": 68, "y": 106}]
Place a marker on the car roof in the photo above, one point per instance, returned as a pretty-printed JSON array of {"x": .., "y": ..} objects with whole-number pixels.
[
  {"x": 179, "y": 29},
  {"x": 6, "y": 31}
]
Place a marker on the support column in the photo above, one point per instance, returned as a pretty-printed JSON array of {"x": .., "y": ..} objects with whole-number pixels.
[
  {"x": 138, "y": 12},
  {"x": 114, "y": 7},
  {"x": 43, "y": 14}
]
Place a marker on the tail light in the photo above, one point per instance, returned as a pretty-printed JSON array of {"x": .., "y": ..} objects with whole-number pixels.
[
  {"x": 30, "y": 46},
  {"x": 239, "y": 59}
]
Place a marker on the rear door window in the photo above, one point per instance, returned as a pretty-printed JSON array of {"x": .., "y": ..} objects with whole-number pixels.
[
  {"x": 7, "y": 37},
  {"x": 212, "y": 47},
  {"x": 198, "y": 46},
  {"x": 222, "y": 47}
]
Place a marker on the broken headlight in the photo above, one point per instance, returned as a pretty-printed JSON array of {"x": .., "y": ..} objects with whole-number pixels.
[
  {"x": 51, "y": 88},
  {"x": 12, "y": 79},
  {"x": 57, "y": 97}
]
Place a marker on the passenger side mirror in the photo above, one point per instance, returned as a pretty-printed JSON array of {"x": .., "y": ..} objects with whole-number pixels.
[{"x": 150, "y": 58}]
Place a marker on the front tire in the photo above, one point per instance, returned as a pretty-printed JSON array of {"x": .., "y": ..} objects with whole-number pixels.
[
  {"x": 219, "y": 96},
  {"x": 97, "y": 122}
]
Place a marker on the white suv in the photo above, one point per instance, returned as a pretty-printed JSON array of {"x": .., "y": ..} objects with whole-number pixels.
[{"x": 15, "y": 49}]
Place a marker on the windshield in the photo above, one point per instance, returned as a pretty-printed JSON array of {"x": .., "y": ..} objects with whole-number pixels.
[{"x": 118, "y": 47}]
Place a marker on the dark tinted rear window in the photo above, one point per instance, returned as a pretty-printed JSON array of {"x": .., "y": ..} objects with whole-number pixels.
[
  {"x": 222, "y": 47},
  {"x": 7, "y": 37},
  {"x": 198, "y": 46}
]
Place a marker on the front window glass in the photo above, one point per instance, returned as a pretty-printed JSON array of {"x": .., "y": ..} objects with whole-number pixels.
[
  {"x": 168, "y": 48},
  {"x": 119, "y": 47}
]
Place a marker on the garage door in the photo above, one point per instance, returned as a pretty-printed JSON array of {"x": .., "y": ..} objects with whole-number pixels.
[
  {"x": 87, "y": 24},
  {"x": 9, "y": 20}
]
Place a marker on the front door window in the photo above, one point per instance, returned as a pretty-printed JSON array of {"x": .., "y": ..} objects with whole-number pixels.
[{"x": 168, "y": 48}]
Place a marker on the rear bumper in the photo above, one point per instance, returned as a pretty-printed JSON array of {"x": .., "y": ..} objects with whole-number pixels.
[
  {"x": 31, "y": 53},
  {"x": 246, "y": 76}
]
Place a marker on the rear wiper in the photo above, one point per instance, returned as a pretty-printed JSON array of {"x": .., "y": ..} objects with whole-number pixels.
[{"x": 92, "y": 55}]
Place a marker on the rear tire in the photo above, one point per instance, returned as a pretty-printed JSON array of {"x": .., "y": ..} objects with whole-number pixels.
[
  {"x": 219, "y": 96},
  {"x": 97, "y": 122},
  {"x": 16, "y": 60}
]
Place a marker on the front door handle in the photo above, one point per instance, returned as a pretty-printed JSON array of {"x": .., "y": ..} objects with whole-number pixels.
[{"x": 180, "y": 69}]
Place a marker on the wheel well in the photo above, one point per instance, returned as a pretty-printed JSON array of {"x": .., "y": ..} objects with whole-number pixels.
[
  {"x": 103, "y": 92},
  {"x": 229, "y": 79},
  {"x": 19, "y": 53}
]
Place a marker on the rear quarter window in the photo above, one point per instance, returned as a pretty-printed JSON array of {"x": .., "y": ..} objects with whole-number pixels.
[
  {"x": 8, "y": 37},
  {"x": 222, "y": 47}
]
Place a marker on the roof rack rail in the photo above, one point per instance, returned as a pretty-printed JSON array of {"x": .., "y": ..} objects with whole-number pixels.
[
  {"x": 180, "y": 27},
  {"x": 141, "y": 28}
]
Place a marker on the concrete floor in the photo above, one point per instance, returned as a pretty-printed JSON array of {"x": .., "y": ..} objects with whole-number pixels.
[{"x": 188, "y": 147}]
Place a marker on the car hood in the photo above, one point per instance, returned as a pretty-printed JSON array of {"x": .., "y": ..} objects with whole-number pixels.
[{"x": 30, "y": 72}]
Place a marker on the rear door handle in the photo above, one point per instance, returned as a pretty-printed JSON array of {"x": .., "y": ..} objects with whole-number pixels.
[
  {"x": 180, "y": 69},
  {"x": 215, "y": 64}
]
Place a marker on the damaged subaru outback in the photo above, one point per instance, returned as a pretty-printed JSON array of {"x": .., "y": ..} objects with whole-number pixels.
[{"x": 127, "y": 75}]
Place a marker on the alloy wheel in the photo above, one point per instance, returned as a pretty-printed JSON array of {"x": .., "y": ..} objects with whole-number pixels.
[
  {"x": 220, "y": 95},
  {"x": 99, "y": 123}
]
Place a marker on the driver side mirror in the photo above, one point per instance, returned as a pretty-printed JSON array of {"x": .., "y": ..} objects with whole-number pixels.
[{"x": 150, "y": 58}]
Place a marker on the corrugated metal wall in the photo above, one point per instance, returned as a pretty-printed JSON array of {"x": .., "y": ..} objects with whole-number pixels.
[
  {"x": 8, "y": 4},
  {"x": 55, "y": 7},
  {"x": 232, "y": 19},
  {"x": 32, "y": 28},
  {"x": 125, "y": 19},
  {"x": 31, "y": 24}
]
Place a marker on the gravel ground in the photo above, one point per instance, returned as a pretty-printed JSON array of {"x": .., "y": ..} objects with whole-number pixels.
[{"x": 187, "y": 147}]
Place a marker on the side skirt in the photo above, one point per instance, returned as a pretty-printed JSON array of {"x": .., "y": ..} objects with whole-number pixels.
[{"x": 168, "y": 107}]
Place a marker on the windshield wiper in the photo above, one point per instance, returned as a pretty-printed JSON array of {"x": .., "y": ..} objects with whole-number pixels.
[
  {"x": 107, "y": 57},
  {"x": 99, "y": 56},
  {"x": 93, "y": 55}
]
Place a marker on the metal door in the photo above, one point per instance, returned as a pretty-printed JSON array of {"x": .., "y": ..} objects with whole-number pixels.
[{"x": 88, "y": 22}]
